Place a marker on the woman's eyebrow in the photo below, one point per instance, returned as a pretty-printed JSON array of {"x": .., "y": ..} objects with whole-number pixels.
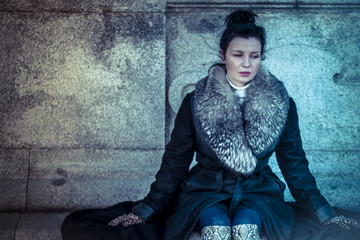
[{"x": 240, "y": 51}]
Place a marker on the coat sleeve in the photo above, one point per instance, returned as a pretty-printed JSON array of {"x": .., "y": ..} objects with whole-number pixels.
[
  {"x": 175, "y": 164},
  {"x": 295, "y": 169}
]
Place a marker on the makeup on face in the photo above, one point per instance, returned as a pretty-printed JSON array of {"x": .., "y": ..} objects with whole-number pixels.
[{"x": 242, "y": 60}]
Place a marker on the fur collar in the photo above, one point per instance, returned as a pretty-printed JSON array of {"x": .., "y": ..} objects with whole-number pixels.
[{"x": 237, "y": 133}]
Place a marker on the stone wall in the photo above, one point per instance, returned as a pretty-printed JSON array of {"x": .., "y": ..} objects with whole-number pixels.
[
  {"x": 89, "y": 91},
  {"x": 82, "y": 116}
]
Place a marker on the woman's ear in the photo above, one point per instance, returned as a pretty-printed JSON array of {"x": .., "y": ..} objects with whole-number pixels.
[{"x": 222, "y": 55}]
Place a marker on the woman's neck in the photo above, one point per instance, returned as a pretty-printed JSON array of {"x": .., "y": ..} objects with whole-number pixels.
[{"x": 236, "y": 87}]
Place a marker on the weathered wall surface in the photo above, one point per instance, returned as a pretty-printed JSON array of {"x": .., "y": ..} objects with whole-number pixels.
[
  {"x": 89, "y": 91},
  {"x": 82, "y": 113}
]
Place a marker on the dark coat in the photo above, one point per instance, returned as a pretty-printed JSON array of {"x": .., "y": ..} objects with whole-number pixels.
[
  {"x": 233, "y": 143},
  {"x": 217, "y": 177}
]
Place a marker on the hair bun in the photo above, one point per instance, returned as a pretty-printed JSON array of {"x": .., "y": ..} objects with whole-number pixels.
[{"x": 241, "y": 17}]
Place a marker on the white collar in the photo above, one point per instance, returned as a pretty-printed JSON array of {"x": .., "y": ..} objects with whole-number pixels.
[{"x": 236, "y": 87}]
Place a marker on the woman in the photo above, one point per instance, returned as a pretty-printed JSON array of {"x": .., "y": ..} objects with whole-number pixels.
[{"x": 235, "y": 119}]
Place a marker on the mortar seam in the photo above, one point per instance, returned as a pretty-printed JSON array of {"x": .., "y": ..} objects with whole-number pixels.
[
  {"x": 18, "y": 11},
  {"x": 84, "y": 148},
  {"x": 17, "y": 225},
  {"x": 27, "y": 182}
]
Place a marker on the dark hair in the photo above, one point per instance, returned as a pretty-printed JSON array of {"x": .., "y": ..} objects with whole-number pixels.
[{"x": 241, "y": 23}]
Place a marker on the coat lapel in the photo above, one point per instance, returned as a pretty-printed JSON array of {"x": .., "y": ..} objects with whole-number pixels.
[{"x": 239, "y": 133}]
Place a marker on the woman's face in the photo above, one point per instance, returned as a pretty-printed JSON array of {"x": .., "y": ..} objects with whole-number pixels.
[{"x": 242, "y": 60}]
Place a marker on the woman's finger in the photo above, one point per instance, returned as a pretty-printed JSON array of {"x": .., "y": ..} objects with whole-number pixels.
[
  {"x": 353, "y": 222},
  {"x": 118, "y": 220},
  {"x": 344, "y": 222},
  {"x": 132, "y": 219}
]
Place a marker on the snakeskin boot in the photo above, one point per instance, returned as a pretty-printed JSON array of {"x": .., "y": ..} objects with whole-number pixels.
[
  {"x": 245, "y": 232},
  {"x": 216, "y": 233}
]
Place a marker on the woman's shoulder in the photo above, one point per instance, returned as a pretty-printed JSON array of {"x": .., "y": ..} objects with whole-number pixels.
[
  {"x": 292, "y": 107},
  {"x": 292, "y": 103},
  {"x": 186, "y": 107},
  {"x": 188, "y": 99}
]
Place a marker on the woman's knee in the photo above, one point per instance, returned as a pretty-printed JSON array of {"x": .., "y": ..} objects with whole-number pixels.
[
  {"x": 214, "y": 216},
  {"x": 246, "y": 216}
]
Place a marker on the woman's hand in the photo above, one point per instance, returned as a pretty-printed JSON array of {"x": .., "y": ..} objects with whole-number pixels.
[
  {"x": 126, "y": 220},
  {"x": 344, "y": 222}
]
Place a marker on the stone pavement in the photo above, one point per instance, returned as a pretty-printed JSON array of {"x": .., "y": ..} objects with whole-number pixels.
[{"x": 37, "y": 226}]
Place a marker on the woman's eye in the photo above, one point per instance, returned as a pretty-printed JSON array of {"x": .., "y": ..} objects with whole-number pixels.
[
  {"x": 237, "y": 55},
  {"x": 255, "y": 56}
]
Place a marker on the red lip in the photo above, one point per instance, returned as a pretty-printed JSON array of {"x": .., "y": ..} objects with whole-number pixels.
[{"x": 245, "y": 74}]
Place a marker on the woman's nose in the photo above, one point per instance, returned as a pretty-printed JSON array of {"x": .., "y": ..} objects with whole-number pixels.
[{"x": 245, "y": 62}]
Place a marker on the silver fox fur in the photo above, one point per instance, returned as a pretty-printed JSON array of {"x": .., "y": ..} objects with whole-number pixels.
[{"x": 237, "y": 133}]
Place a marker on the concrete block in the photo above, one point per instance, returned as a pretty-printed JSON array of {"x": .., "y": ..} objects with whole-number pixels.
[
  {"x": 85, "y": 178},
  {"x": 336, "y": 174},
  {"x": 315, "y": 55},
  {"x": 124, "y": 5},
  {"x": 219, "y": 5},
  {"x": 235, "y": 3},
  {"x": 87, "y": 5},
  {"x": 225, "y": 1},
  {"x": 82, "y": 80},
  {"x": 13, "y": 194},
  {"x": 325, "y": 2},
  {"x": 28, "y": 5},
  {"x": 14, "y": 165},
  {"x": 340, "y": 191},
  {"x": 309, "y": 54},
  {"x": 201, "y": 6},
  {"x": 40, "y": 226},
  {"x": 8, "y": 223}
]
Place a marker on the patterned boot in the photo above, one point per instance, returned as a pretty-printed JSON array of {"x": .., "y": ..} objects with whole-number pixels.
[
  {"x": 245, "y": 232},
  {"x": 216, "y": 233}
]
